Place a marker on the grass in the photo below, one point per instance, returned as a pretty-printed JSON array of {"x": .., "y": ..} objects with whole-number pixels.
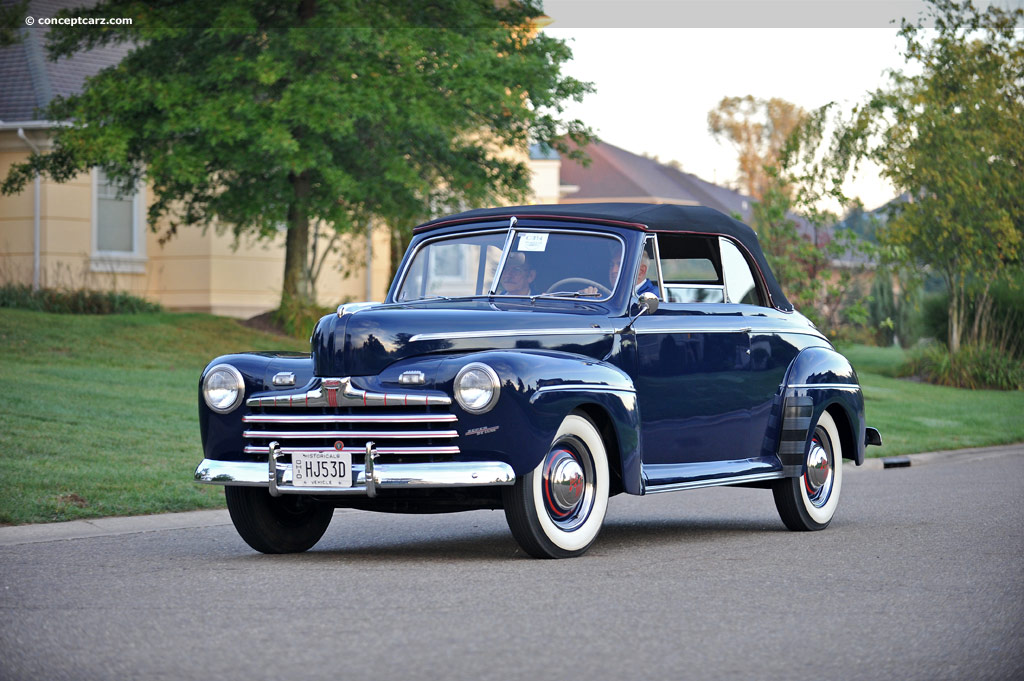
[
  {"x": 872, "y": 360},
  {"x": 98, "y": 415},
  {"x": 919, "y": 417}
]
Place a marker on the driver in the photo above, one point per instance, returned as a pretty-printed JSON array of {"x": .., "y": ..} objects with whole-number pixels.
[{"x": 517, "y": 276}]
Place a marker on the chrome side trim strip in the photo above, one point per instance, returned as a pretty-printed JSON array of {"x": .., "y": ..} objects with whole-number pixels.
[
  {"x": 830, "y": 386},
  {"x": 363, "y": 418},
  {"x": 386, "y": 476},
  {"x": 441, "y": 451},
  {"x": 744, "y": 329},
  {"x": 578, "y": 387},
  {"x": 339, "y": 392},
  {"x": 356, "y": 434},
  {"x": 717, "y": 482},
  {"x": 503, "y": 333}
]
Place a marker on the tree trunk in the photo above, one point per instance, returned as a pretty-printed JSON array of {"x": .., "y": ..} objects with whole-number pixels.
[
  {"x": 956, "y": 306},
  {"x": 296, "y": 283},
  {"x": 400, "y": 238}
]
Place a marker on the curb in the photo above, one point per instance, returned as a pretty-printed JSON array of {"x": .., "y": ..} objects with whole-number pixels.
[
  {"x": 111, "y": 527},
  {"x": 961, "y": 455}
]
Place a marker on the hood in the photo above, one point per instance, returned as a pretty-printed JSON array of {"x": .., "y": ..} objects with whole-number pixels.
[{"x": 365, "y": 342}]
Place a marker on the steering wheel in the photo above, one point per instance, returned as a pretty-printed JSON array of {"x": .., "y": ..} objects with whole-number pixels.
[{"x": 578, "y": 283}]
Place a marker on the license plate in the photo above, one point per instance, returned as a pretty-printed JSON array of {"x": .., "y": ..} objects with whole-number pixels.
[{"x": 329, "y": 468}]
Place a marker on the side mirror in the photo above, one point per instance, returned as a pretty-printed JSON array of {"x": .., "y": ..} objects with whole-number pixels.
[
  {"x": 648, "y": 304},
  {"x": 650, "y": 301}
]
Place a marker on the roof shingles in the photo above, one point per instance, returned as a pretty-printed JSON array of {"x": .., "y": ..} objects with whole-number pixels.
[{"x": 30, "y": 79}]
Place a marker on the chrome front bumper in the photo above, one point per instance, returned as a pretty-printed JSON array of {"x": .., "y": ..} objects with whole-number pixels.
[{"x": 367, "y": 477}]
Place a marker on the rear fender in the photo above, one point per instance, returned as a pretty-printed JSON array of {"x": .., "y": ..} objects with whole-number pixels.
[{"x": 819, "y": 379}]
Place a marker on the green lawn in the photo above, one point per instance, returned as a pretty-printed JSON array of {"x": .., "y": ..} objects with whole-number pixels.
[
  {"x": 918, "y": 417},
  {"x": 98, "y": 413}
]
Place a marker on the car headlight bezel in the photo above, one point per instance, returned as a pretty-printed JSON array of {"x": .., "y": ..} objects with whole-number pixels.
[
  {"x": 483, "y": 374},
  {"x": 234, "y": 382}
]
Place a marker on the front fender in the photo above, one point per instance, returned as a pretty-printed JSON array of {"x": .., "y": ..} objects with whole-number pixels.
[
  {"x": 538, "y": 389},
  {"x": 818, "y": 379},
  {"x": 222, "y": 433}
]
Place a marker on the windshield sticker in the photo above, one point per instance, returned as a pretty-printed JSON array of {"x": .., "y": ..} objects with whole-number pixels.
[{"x": 533, "y": 242}]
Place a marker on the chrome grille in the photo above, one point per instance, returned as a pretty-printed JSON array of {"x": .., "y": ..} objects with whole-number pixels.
[{"x": 335, "y": 415}]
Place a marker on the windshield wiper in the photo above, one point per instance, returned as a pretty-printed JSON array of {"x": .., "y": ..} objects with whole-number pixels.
[
  {"x": 566, "y": 294},
  {"x": 425, "y": 298}
]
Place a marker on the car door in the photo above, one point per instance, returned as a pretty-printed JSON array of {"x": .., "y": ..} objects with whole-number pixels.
[{"x": 693, "y": 364}]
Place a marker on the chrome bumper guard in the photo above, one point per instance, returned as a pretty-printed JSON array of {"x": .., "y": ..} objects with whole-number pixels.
[{"x": 367, "y": 478}]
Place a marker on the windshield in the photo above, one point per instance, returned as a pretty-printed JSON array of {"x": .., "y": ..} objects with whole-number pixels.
[{"x": 538, "y": 263}]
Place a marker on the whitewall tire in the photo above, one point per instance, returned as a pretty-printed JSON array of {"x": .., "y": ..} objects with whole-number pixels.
[
  {"x": 809, "y": 502},
  {"x": 557, "y": 509}
]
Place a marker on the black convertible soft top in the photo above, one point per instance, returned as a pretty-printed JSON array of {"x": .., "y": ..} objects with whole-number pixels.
[{"x": 661, "y": 217}]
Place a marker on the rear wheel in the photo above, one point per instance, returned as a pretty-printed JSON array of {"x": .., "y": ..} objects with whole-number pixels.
[
  {"x": 809, "y": 502},
  {"x": 285, "y": 524},
  {"x": 557, "y": 509}
]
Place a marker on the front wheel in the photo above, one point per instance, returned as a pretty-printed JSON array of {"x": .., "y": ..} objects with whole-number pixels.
[
  {"x": 809, "y": 502},
  {"x": 286, "y": 524},
  {"x": 557, "y": 509}
]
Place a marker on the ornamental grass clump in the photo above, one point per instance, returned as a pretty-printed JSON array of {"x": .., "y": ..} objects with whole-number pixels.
[{"x": 976, "y": 367}]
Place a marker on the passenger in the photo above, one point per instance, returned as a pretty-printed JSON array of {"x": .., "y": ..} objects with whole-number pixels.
[
  {"x": 517, "y": 276},
  {"x": 643, "y": 284}
]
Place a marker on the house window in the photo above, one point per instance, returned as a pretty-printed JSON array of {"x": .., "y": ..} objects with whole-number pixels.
[{"x": 118, "y": 240}]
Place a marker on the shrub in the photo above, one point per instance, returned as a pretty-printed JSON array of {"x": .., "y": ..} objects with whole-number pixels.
[
  {"x": 297, "y": 318},
  {"x": 974, "y": 367},
  {"x": 1006, "y": 318},
  {"x": 80, "y": 301}
]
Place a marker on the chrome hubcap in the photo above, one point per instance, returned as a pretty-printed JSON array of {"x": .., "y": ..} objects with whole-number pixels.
[
  {"x": 568, "y": 484},
  {"x": 819, "y": 475},
  {"x": 566, "y": 481},
  {"x": 818, "y": 467}
]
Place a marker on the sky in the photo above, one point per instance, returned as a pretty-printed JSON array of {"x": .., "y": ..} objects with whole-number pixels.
[{"x": 655, "y": 86}]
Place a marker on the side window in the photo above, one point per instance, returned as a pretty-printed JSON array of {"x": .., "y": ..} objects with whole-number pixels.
[
  {"x": 740, "y": 286},
  {"x": 691, "y": 269}
]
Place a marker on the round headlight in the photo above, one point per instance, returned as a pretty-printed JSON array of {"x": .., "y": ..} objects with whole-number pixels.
[
  {"x": 223, "y": 388},
  {"x": 477, "y": 388}
]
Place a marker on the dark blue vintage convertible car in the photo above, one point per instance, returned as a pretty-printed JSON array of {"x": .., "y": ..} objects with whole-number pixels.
[{"x": 541, "y": 359}]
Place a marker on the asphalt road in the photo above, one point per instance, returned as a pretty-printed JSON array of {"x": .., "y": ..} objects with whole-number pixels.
[{"x": 920, "y": 576}]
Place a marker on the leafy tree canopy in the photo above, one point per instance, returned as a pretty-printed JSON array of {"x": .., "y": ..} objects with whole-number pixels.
[
  {"x": 257, "y": 114},
  {"x": 950, "y": 135},
  {"x": 758, "y": 129},
  {"x": 12, "y": 17}
]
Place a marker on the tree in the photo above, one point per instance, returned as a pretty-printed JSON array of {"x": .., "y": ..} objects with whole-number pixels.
[
  {"x": 782, "y": 157},
  {"x": 265, "y": 114},
  {"x": 949, "y": 135},
  {"x": 758, "y": 128},
  {"x": 12, "y": 17}
]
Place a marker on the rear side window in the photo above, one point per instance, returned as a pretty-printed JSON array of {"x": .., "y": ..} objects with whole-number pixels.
[
  {"x": 740, "y": 284},
  {"x": 706, "y": 269}
]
